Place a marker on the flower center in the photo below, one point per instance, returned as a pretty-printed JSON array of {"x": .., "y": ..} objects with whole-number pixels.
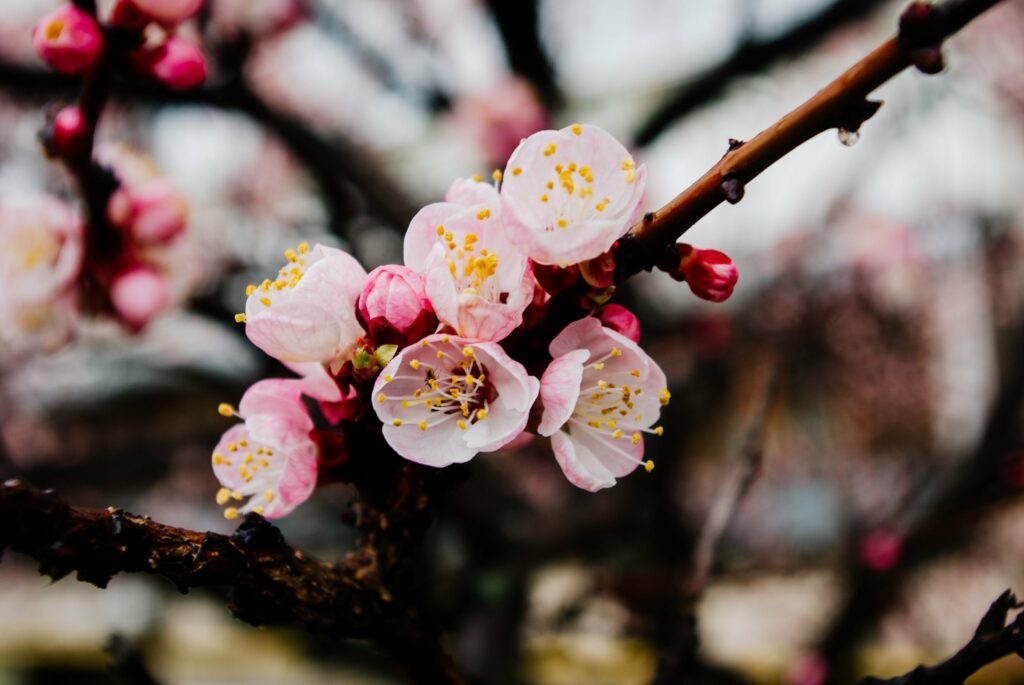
[{"x": 471, "y": 268}]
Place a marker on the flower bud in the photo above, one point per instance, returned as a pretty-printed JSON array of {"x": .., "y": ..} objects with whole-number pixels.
[
  {"x": 599, "y": 271},
  {"x": 710, "y": 274},
  {"x": 177, "y": 63},
  {"x": 68, "y": 39},
  {"x": 167, "y": 11},
  {"x": 553, "y": 278},
  {"x": 67, "y": 132},
  {"x": 393, "y": 306},
  {"x": 152, "y": 212},
  {"x": 881, "y": 550},
  {"x": 620, "y": 320},
  {"x": 138, "y": 295}
]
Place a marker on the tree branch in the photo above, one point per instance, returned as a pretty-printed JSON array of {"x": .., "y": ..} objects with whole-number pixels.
[
  {"x": 993, "y": 640},
  {"x": 751, "y": 56},
  {"x": 269, "y": 582},
  {"x": 842, "y": 104}
]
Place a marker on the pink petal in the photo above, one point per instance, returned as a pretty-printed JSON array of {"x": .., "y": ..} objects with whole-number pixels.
[
  {"x": 579, "y": 466},
  {"x": 560, "y": 390}
]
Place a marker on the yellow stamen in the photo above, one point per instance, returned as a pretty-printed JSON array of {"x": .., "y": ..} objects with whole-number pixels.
[{"x": 225, "y": 409}]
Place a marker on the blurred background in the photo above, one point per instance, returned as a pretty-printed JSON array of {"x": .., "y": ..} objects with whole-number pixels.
[{"x": 873, "y": 345}]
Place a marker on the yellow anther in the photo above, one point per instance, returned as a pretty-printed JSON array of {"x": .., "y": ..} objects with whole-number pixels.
[
  {"x": 550, "y": 149},
  {"x": 599, "y": 366},
  {"x": 477, "y": 177},
  {"x": 594, "y": 424},
  {"x": 268, "y": 496},
  {"x": 517, "y": 171},
  {"x": 265, "y": 301},
  {"x": 635, "y": 373},
  {"x": 544, "y": 198},
  {"x": 405, "y": 404},
  {"x": 423, "y": 343},
  {"x": 248, "y": 459},
  {"x": 664, "y": 396},
  {"x": 423, "y": 425},
  {"x": 449, "y": 236},
  {"x": 636, "y": 438},
  {"x": 440, "y": 354},
  {"x": 250, "y": 289},
  {"x": 225, "y": 409},
  {"x": 577, "y": 129},
  {"x": 617, "y": 434},
  {"x": 303, "y": 247},
  {"x": 470, "y": 239},
  {"x": 440, "y": 229},
  {"x": 445, "y": 338},
  {"x": 610, "y": 423},
  {"x": 550, "y": 185},
  {"x": 497, "y": 175},
  {"x": 562, "y": 223},
  {"x": 628, "y": 164},
  {"x": 659, "y": 430},
  {"x": 396, "y": 422},
  {"x": 649, "y": 465},
  {"x": 481, "y": 414},
  {"x": 630, "y": 176},
  {"x": 602, "y": 384},
  {"x": 381, "y": 398},
  {"x": 264, "y": 463},
  {"x": 233, "y": 447},
  {"x": 258, "y": 510},
  {"x": 616, "y": 352},
  {"x": 223, "y": 495},
  {"x": 218, "y": 459},
  {"x": 231, "y": 513},
  {"x": 464, "y": 408},
  {"x": 461, "y": 424},
  {"x": 387, "y": 378},
  {"x": 419, "y": 391},
  {"x": 290, "y": 255},
  {"x": 415, "y": 364},
  {"x": 236, "y": 495},
  {"x": 483, "y": 214},
  {"x": 467, "y": 352},
  {"x": 239, "y": 318}
]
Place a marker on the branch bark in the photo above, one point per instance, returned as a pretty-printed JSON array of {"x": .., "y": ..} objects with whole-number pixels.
[
  {"x": 843, "y": 104},
  {"x": 993, "y": 640}
]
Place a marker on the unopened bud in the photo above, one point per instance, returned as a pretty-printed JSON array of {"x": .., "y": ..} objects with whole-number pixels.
[
  {"x": 68, "y": 39},
  {"x": 620, "y": 320},
  {"x": 177, "y": 63},
  {"x": 710, "y": 274}
]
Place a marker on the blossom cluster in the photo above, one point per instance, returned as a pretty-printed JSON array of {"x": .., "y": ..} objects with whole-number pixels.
[{"x": 496, "y": 325}]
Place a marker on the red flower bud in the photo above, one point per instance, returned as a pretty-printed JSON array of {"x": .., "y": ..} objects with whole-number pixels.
[
  {"x": 710, "y": 274},
  {"x": 620, "y": 320},
  {"x": 67, "y": 133},
  {"x": 68, "y": 39},
  {"x": 393, "y": 306},
  {"x": 177, "y": 63}
]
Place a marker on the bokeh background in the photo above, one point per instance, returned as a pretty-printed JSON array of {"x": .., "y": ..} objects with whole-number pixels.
[{"x": 874, "y": 343}]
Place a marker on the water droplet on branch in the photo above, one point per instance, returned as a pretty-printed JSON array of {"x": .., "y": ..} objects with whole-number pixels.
[{"x": 848, "y": 138}]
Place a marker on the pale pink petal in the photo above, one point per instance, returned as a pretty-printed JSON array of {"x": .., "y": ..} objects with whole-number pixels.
[
  {"x": 470, "y": 193},
  {"x": 294, "y": 332},
  {"x": 422, "y": 232},
  {"x": 316, "y": 381},
  {"x": 580, "y": 466},
  {"x": 560, "y": 389}
]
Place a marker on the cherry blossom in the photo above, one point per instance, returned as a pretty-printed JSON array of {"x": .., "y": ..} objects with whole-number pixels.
[
  {"x": 568, "y": 195},
  {"x": 600, "y": 394},
  {"x": 477, "y": 281},
  {"x": 39, "y": 264},
  {"x": 152, "y": 211},
  {"x": 393, "y": 306},
  {"x": 710, "y": 274},
  {"x": 270, "y": 458},
  {"x": 444, "y": 399},
  {"x": 138, "y": 295},
  {"x": 176, "y": 63},
  {"x": 307, "y": 313}
]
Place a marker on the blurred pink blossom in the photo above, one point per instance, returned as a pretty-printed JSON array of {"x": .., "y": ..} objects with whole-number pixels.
[
  {"x": 68, "y": 39},
  {"x": 176, "y": 63},
  {"x": 501, "y": 117},
  {"x": 393, "y": 306},
  {"x": 138, "y": 295}
]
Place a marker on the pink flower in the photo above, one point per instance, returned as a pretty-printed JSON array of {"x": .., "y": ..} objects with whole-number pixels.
[
  {"x": 476, "y": 280},
  {"x": 271, "y": 458},
  {"x": 568, "y": 195},
  {"x": 67, "y": 133},
  {"x": 176, "y": 63},
  {"x": 499, "y": 119},
  {"x": 41, "y": 252},
  {"x": 153, "y": 211},
  {"x": 307, "y": 314},
  {"x": 68, "y": 39},
  {"x": 600, "y": 394},
  {"x": 138, "y": 295},
  {"x": 710, "y": 274},
  {"x": 444, "y": 399},
  {"x": 393, "y": 306},
  {"x": 167, "y": 11},
  {"x": 881, "y": 550},
  {"x": 620, "y": 320}
]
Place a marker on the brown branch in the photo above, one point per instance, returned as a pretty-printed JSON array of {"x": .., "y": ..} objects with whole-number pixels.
[
  {"x": 269, "y": 582},
  {"x": 842, "y": 104},
  {"x": 993, "y": 640}
]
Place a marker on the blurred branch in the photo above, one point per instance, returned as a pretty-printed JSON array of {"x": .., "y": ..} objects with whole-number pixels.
[
  {"x": 752, "y": 56},
  {"x": 518, "y": 23},
  {"x": 950, "y": 519},
  {"x": 337, "y": 167},
  {"x": 126, "y": 662},
  {"x": 993, "y": 640},
  {"x": 270, "y": 583},
  {"x": 843, "y": 104}
]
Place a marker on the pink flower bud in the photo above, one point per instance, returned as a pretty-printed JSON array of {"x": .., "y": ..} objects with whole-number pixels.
[
  {"x": 152, "y": 212},
  {"x": 393, "y": 306},
  {"x": 167, "y": 11},
  {"x": 881, "y": 550},
  {"x": 177, "y": 63},
  {"x": 138, "y": 295},
  {"x": 620, "y": 320},
  {"x": 68, "y": 39},
  {"x": 710, "y": 274},
  {"x": 67, "y": 133}
]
